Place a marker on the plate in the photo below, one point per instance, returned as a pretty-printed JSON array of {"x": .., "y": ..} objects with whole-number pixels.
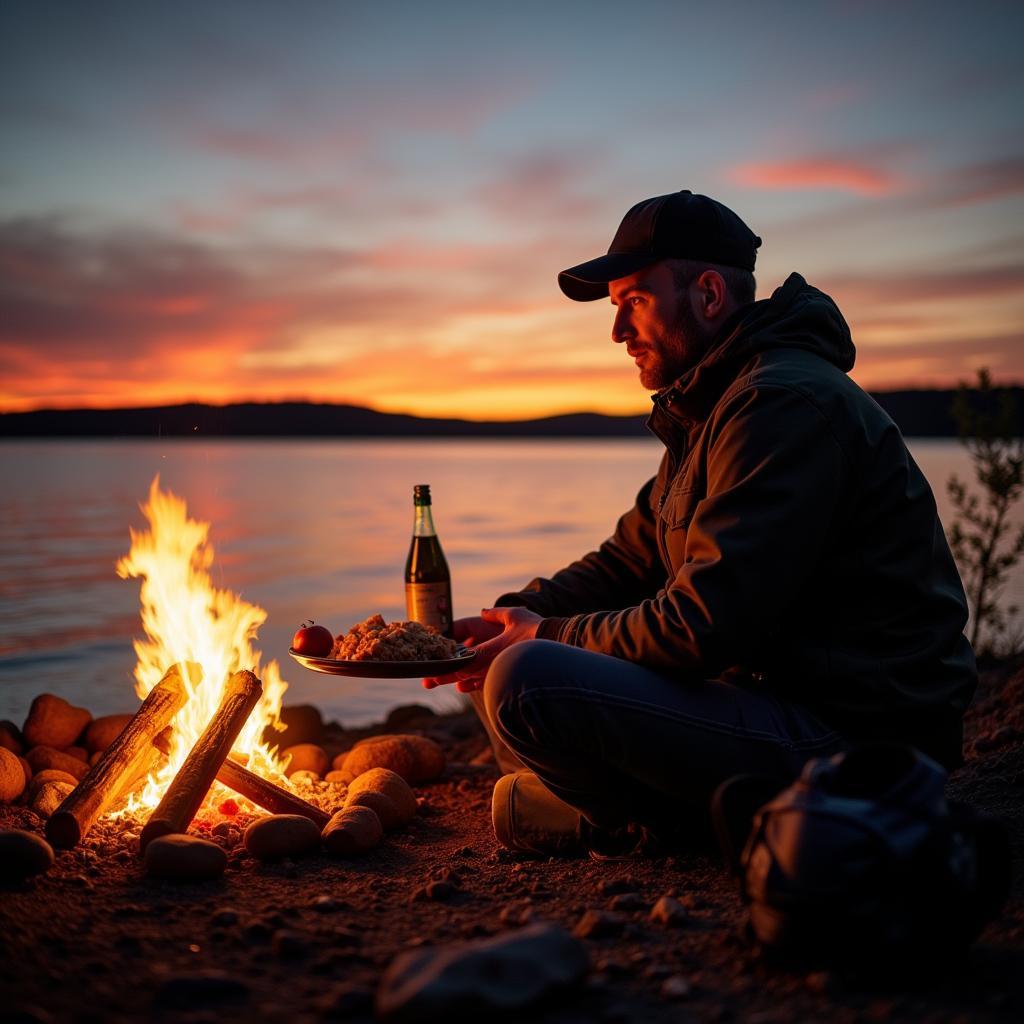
[{"x": 386, "y": 669}]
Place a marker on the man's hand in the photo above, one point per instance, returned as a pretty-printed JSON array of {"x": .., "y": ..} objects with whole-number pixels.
[{"x": 489, "y": 634}]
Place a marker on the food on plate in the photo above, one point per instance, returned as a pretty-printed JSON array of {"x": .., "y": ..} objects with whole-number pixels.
[
  {"x": 377, "y": 640},
  {"x": 313, "y": 641}
]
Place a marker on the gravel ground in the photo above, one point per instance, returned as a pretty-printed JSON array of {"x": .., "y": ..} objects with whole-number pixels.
[{"x": 95, "y": 940}]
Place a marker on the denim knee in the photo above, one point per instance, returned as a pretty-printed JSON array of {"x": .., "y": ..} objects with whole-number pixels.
[{"x": 517, "y": 670}]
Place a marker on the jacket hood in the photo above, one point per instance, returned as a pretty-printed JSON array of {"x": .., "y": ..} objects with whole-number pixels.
[{"x": 796, "y": 315}]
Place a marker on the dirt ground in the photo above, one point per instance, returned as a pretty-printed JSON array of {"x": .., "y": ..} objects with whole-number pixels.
[{"x": 95, "y": 940}]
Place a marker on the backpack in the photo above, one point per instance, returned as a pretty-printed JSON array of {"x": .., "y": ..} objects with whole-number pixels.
[{"x": 863, "y": 862}]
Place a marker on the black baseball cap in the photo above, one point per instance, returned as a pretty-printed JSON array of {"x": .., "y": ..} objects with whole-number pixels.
[{"x": 682, "y": 225}]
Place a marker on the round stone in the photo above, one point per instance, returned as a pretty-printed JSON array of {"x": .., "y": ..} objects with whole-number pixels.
[
  {"x": 185, "y": 858},
  {"x": 281, "y": 835},
  {"x": 23, "y": 854}
]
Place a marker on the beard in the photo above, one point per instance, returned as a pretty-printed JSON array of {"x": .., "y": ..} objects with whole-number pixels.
[{"x": 682, "y": 347}]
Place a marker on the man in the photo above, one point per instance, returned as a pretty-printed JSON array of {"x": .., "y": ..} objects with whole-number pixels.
[{"x": 780, "y": 589}]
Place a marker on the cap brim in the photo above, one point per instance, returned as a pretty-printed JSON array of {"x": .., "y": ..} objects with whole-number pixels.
[{"x": 589, "y": 281}]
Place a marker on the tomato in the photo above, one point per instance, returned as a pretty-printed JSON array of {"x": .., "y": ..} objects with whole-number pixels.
[{"x": 313, "y": 641}]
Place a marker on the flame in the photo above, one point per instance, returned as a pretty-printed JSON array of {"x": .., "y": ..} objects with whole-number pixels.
[{"x": 187, "y": 619}]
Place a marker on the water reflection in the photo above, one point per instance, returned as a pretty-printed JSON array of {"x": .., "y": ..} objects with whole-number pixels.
[{"x": 307, "y": 529}]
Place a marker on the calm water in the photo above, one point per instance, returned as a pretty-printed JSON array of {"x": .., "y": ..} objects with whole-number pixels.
[{"x": 315, "y": 529}]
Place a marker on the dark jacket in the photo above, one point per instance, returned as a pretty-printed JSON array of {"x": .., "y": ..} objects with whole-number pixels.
[{"x": 788, "y": 541}]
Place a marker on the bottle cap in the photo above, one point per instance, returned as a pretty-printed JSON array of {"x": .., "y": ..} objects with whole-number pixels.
[{"x": 421, "y": 494}]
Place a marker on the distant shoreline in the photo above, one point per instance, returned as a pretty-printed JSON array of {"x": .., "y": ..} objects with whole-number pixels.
[{"x": 924, "y": 413}]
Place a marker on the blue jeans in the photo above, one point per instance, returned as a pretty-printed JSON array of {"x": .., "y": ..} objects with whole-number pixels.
[{"x": 622, "y": 743}]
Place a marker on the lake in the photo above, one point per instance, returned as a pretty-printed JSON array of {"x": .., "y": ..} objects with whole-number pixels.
[{"x": 305, "y": 529}]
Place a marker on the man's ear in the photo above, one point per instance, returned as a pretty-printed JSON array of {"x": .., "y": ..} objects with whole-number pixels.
[{"x": 712, "y": 295}]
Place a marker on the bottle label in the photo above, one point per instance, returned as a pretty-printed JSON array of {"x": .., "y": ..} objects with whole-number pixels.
[{"x": 430, "y": 604}]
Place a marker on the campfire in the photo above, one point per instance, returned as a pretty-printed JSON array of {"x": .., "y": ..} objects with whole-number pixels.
[{"x": 206, "y": 703}]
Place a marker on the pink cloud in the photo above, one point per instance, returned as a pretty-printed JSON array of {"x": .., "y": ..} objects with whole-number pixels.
[{"x": 840, "y": 174}]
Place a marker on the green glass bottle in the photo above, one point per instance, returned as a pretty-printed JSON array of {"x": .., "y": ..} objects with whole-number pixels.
[{"x": 428, "y": 583}]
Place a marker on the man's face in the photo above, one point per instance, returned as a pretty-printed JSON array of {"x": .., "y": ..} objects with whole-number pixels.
[{"x": 657, "y": 324}]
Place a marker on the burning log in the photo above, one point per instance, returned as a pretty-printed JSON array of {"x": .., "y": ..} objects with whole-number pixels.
[
  {"x": 260, "y": 791},
  {"x": 121, "y": 761},
  {"x": 190, "y": 786}
]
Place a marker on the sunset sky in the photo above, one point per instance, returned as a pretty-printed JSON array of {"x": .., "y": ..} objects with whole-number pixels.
[{"x": 369, "y": 203}]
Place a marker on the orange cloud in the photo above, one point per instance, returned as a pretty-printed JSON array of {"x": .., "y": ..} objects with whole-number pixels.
[{"x": 820, "y": 172}]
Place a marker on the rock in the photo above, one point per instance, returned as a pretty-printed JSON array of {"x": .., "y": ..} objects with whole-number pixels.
[
  {"x": 27, "y": 769},
  {"x": 23, "y": 854},
  {"x": 103, "y": 731},
  {"x": 628, "y": 901},
  {"x": 304, "y": 776},
  {"x": 670, "y": 912},
  {"x": 197, "y": 989},
  {"x": 225, "y": 917},
  {"x": 507, "y": 974},
  {"x": 49, "y": 796},
  {"x": 281, "y": 835},
  {"x": 12, "y": 776},
  {"x": 345, "y": 1000},
  {"x": 406, "y": 714},
  {"x": 399, "y": 807},
  {"x": 677, "y": 986},
  {"x": 41, "y": 758},
  {"x": 441, "y": 892},
  {"x": 327, "y": 904},
  {"x": 78, "y": 752},
  {"x": 53, "y": 722},
  {"x": 11, "y": 738},
  {"x": 416, "y": 758},
  {"x": 339, "y": 777},
  {"x": 611, "y": 886},
  {"x": 300, "y": 723},
  {"x": 306, "y": 757},
  {"x": 289, "y": 944},
  {"x": 598, "y": 924},
  {"x": 352, "y": 831},
  {"x": 48, "y": 775},
  {"x": 380, "y": 803},
  {"x": 185, "y": 858}
]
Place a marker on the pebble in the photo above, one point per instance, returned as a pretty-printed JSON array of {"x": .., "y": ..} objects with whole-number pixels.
[
  {"x": 440, "y": 892},
  {"x": 53, "y": 722},
  {"x": 352, "y": 831},
  {"x": 507, "y": 973},
  {"x": 12, "y": 776},
  {"x": 104, "y": 730},
  {"x": 327, "y": 905},
  {"x": 197, "y": 989},
  {"x": 281, "y": 835},
  {"x": 611, "y": 886},
  {"x": 399, "y": 795},
  {"x": 306, "y": 757},
  {"x": 677, "y": 986},
  {"x": 49, "y": 796},
  {"x": 184, "y": 858},
  {"x": 289, "y": 944},
  {"x": 670, "y": 912},
  {"x": 628, "y": 901},
  {"x": 346, "y": 1000},
  {"x": 23, "y": 854},
  {"x": 225, "y": 917},
  {"x": 44, "y": 757},
  {"x": 598, "y": 924}
]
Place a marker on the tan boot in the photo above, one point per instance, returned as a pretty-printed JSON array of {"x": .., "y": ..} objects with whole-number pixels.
[{"x": 529, "y": 818}]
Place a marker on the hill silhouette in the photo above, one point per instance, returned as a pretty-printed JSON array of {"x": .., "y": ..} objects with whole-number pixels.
[{"x": 918, "y": 414}]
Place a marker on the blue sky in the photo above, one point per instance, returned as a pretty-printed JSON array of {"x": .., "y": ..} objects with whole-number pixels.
[{"x": 266, "y": 200}]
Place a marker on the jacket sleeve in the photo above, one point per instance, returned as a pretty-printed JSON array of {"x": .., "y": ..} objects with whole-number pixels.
[
  {"x": 775, "y": 478},
  {"x": 622, "y": 572}
]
